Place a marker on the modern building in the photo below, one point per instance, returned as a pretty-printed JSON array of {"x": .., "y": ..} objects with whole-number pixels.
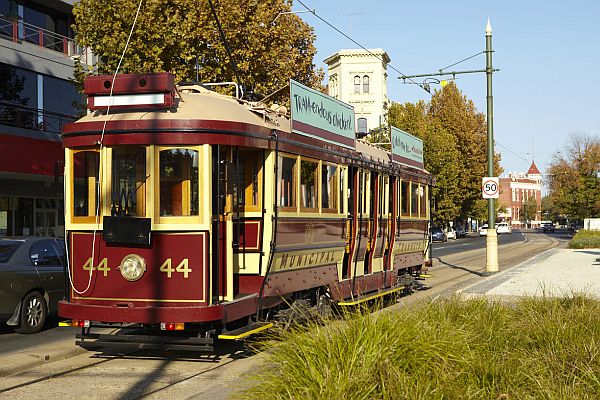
[
  {"x": 37, "y": 57},
  {"x": 516, "y": 190},
  {"x": 359, "y": 78}
]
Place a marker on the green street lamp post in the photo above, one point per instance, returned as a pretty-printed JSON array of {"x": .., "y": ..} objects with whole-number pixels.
[
  {"x": 491, "y": 244},
  {"x": 492, "y": 236}
]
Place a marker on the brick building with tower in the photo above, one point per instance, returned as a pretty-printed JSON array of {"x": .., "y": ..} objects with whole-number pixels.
[{"x": 516, "y": 190}]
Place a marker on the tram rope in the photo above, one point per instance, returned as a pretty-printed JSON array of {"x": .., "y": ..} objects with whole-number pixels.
[{"x": 100, "y": 168}]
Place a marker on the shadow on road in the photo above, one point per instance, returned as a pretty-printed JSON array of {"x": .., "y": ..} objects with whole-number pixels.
[{"x": 459, "y": 267}]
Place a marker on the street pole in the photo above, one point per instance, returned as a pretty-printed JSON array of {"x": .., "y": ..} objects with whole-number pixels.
[{"x": 492, "y": 236}]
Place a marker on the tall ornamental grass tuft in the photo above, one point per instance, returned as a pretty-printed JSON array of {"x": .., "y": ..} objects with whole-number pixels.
[
  {"x": 585, "y": 239},
  {"x": 544, "y": 348}
]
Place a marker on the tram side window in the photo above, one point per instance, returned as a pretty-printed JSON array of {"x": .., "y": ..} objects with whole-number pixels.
[
  {"x": 286, "y": 179},
  {"x": 178, "y": 182},
  {"x": 86, "y": 165},
  {"x": 329, "y": 186},
  {"x": 341, "y": 197},
  {"x": 308, "y": 184},
  {"x": 423, "y": 198},
  {"x": 405, "y": 200},
  {"x": 248, "y": 195},
  {"x": 128, "y": 188},
  {"x": 414, "y": 200}
]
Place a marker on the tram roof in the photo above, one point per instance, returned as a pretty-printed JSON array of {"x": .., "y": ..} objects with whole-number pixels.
[{"x": 198, "y": 103}]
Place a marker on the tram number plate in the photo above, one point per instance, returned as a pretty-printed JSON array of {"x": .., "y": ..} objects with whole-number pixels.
[{"x": 166, "y": 267}]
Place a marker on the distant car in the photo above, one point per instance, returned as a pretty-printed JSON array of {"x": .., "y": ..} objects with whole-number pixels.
[
  {"x": 503, "y": 227},
  {"x": 32, "y": 281},
  {"x": 548, "y": 227},
  {"x": 483, "y": 230},
  {"x": 451, "y": 234},
  {"x": 437, "y": 234},
  {"x": 461, "y": 232}
]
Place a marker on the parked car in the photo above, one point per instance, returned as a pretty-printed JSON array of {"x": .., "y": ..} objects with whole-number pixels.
[
  {"x": 451, "y": 234},
  {"x": 32, "y": 281},
  {"x": 548, "y": 227},
  {"x": 438, "y": 234},
  {"x": 461, "y": 232},
  {"x": 483, "y": 230},
  {"x": 503, "y": 227}
]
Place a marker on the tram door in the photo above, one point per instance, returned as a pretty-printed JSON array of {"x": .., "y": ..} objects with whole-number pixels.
[
  {"x": 237, "y": 219},
  {"x": 359, "y": 259},
  {"x": 222, "y": 224}
]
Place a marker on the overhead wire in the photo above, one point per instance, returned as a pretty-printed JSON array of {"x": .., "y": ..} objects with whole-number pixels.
[
  {"x": 312, "y": 11},
  {"x": 100, "y": 169}
]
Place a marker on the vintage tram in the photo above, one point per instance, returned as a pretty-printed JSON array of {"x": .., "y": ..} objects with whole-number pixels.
[{"x": 192, "y": 215}]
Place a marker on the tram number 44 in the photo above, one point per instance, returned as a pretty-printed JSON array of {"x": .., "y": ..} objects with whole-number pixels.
[{"x": 166, "y": 267}]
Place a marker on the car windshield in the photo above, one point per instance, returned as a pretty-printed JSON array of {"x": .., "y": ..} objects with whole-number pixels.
[{"x": 7, "y": 249}]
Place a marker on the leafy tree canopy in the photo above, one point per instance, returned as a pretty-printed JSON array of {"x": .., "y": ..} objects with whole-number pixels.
[
  {"x": 574, "y": 178},
  {"x": 454, "y": 135},
  {"x": 174, "y": 35}
]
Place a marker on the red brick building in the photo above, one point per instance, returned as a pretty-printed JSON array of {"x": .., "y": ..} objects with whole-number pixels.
[{"x": 515, "y": 190}]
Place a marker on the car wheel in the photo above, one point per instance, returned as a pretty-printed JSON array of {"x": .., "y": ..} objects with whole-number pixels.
[{"x": 33, "y": 313}]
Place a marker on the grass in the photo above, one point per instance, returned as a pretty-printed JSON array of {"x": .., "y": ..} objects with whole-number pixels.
[
  {"x": 544, "y": 348},
  {"x": 585, "y": 239}
]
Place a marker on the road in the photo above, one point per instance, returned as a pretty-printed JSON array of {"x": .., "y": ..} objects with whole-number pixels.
[{"x": 155, "y": 375}]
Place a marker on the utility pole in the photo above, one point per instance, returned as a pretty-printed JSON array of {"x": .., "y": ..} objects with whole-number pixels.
[
  {"x": 491, "y": 243},
  {"x": 492, "y": 236}
]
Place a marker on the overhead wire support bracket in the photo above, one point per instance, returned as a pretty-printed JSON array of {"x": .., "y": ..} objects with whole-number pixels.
[{"x": 441, "y": 73}]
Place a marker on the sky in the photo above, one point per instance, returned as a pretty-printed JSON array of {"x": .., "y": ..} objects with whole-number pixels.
[{"x": 548, "y": 53}]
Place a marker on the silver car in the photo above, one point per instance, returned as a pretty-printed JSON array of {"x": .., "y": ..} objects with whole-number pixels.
[{"x": 32, "y": 281}]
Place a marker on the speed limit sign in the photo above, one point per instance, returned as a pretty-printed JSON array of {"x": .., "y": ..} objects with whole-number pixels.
[{"x": 490, "y": 187}]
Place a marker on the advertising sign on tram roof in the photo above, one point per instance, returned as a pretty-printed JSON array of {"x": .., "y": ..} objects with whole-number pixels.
[
  {"x": 322, "y": 117},
  {"x": 406, "y": 148}
]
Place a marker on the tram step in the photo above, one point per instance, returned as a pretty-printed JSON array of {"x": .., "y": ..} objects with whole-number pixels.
[
  {"x": 245, "y": 331},
  {"x": 370, "y": 296}
]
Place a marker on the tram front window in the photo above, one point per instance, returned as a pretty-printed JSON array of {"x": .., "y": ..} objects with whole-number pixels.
[
  {"x": 178, "y": 182},
  {"x": 85, "y": 178},
  {"x": 128, "y": 189}
]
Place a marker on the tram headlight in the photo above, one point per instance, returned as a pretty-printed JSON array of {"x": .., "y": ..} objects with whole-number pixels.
[{"x": 132, "y": 267}]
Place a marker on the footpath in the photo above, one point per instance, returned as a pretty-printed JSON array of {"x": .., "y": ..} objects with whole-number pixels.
[{"x": 555, "y": 272}]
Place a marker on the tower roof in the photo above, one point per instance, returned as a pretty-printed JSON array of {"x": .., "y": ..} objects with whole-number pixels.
[{"x": 533, "y": 170}]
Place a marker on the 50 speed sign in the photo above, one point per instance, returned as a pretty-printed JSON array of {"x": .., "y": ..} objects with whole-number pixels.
[{"x": 490, "y": 187}]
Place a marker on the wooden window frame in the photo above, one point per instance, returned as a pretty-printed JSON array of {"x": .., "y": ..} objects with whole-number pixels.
[
  {"x": 317, "y": 181},
  {"x": 402, "y": 197},
  {"x": 87, "y": 219},
  {"x": 335, "y": 190},
  {"x": 175, "y": 219},
  {"x": 109, "y": 175},
  {"x": 248, "y": 190},
  {"x": 295, "y": 183}
]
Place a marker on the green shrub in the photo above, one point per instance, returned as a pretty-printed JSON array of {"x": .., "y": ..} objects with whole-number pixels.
[
  {"x": 585, "y": 239},
  {"x": 453, "y": 349}
]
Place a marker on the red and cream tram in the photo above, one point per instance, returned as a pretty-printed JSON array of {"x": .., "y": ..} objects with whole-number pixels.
[{"x": 193, "y": 211}]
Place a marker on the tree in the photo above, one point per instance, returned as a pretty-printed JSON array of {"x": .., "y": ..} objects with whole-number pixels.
[
  {"x": 574, "y": 178},
  {"x": 455, "y": 141},
  {"x": 177, "y": 35},
  {"x": 529, "y": 210},
  {"x": 440, "y": 156},
  {"x": 458, "y": 115}
]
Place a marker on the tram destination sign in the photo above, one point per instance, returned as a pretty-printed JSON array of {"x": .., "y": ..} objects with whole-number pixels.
[
  {"x": 322, "y": 117},
  {"x": 406, "y": 148}
]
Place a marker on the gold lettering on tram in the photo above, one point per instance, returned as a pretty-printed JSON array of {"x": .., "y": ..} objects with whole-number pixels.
[
  {"x": 103, "y": 266},
  {"x": 166, "y": 266}
]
